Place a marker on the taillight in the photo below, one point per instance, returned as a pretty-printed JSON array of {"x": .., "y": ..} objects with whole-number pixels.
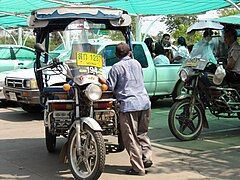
[
  {"x": 60, "y": 106},
  {"x": 103, "y": 105}
]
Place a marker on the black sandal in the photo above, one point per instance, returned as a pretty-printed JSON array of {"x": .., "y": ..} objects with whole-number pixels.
[{"x": 133, "y": 172}]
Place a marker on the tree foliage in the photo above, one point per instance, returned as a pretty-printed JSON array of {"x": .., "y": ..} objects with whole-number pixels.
[
  {"x": 174, "y": 22},
  {"x": 227, "y": 12},
  {"x": 178, "y": 25}
]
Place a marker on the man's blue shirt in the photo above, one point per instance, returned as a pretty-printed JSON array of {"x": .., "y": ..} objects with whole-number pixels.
[{"x": 126, "y": 80}]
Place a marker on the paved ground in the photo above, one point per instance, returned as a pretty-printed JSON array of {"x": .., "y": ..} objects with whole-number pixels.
[{"x": 215, "y": 155}]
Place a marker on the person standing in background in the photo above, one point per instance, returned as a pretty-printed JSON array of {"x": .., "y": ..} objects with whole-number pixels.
[{"x": 182, "y": 53}]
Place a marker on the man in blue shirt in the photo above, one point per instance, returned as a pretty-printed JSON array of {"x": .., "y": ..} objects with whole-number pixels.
[{"x": 125, "y": 79}]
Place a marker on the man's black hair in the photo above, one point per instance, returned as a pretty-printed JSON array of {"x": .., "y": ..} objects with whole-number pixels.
[
  {"x": 122, "y": 50},
  {"x": 232, "y": 31}
]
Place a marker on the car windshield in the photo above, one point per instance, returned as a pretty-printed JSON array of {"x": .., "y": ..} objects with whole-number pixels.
[{"x": 19, "y": 53}]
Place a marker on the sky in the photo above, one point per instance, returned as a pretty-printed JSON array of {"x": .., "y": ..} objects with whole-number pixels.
[{"x": 152, "y": 24}]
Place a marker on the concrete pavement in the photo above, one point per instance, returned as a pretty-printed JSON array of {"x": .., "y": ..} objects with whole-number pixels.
[{"x": 23, "y": 154}]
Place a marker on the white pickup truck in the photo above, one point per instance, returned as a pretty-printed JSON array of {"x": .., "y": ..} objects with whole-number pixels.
[{"x": 160, "y": 81}]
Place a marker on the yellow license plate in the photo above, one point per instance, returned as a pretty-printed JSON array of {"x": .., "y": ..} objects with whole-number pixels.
[
  {"x": 89, "y": 59},
  {"x": 191, "y": 64}
]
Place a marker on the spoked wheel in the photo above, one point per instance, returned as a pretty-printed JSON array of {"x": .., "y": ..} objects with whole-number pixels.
[
  {"x": 50, "y": 140},
  {"x": 184, "y": 126},
  {"x": 87, "y": 162}
]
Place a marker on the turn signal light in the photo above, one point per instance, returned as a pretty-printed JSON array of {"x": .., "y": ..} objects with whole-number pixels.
[
  {"x": 66, "y": 87},
  {"x": 104, "y": 87}
]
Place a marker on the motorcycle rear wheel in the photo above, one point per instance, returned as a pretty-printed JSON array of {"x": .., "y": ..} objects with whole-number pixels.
[
  {"x": 89, "y": 162},
  {"x": 50, "y": 140},
  {"x": 181, "y": 126}
]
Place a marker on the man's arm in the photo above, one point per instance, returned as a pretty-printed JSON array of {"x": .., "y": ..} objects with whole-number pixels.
[
  {"x": 112, "y": 79},
  {"x": 230, "y": 63}
]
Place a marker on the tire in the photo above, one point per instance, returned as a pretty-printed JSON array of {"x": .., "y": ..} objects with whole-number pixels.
[
  {"x": 95, "y": 161},
  {"x": 50, "y": 141},
  {"x": 178, "y": 90},
  {"x": 31, "y": 108},
  {"x": 179, "y": 123}
]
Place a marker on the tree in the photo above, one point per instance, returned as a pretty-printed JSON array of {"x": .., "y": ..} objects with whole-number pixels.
[
  {"x": 177, "y": 26},
  {"x": 174, "y": 22},
  {"x": 227, "y": 12}
]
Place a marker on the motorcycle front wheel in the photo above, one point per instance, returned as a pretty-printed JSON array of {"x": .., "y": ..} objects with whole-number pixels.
[
  {"x": 88, "y": 162},
  {"x": 181, "y": 125}
]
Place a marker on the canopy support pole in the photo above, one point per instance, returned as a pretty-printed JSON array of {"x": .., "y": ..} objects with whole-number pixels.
[
  {"x": 232, "y": 3},
  {"x": 149, "y": 27},
  {"x": 20, "y": 34},
  {"x": 62, "y": 38},
  {"x": 9, "y": 34},
  {"x": 138, "y": 28}
]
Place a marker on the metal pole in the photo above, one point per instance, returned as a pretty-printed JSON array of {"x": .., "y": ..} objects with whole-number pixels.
[
  {"x": 9, "y": 34},
  {"x": 232, "y": 3},
  {"x": 63, "y": 41},
  {"x": 150, "y": 25},
  {"x": 138, "y": 28},
  {"x": 20, "y": 34},
  {"x": 28, "y": 34}
]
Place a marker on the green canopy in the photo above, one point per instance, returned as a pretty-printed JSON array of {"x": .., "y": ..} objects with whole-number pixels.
[
  {"x": 139, "y": 7},
  {"x": 231, "y": 20},
  {"x": 160, "y": 7},
  {"x": 12, "y": 21}
]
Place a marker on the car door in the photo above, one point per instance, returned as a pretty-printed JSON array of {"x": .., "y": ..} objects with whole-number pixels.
[
  {"x": 25, "y": 57},
  {"x": 7, "y": 59}
]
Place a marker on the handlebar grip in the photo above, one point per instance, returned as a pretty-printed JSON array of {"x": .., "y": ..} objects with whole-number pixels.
[{"x": 52, "y": 65}]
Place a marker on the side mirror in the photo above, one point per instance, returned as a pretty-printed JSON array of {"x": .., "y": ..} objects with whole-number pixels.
[{"x": 39, "y": 47}]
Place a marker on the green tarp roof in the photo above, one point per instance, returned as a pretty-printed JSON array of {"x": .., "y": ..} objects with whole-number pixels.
[
  {"x": 140, "y": 7},
  {"x": 234, "y": 19},
  {"x": 161, "y": 7}
]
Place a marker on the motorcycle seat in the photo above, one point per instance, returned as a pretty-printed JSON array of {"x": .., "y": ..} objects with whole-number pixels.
[{"x": 235, "y": 86}]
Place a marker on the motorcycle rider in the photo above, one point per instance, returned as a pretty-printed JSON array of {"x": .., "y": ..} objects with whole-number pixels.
[
  {"x": 125, "y": 79},
  {"x": 233, "y": 59}
]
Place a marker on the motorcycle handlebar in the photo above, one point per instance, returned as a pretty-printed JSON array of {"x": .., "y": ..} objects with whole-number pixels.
[{"x": 52, "y": 65}]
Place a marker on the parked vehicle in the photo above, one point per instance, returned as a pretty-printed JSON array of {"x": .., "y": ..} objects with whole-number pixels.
[
  {"x": 16, "y": 57},
  {"x": 187, "y": 115},
  {"x": 16, "y": 68},
  {"x": 160, "y": 80}
]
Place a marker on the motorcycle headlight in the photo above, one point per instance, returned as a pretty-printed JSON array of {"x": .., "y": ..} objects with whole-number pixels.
[
  {"x": 185, "y": 73},
  {"x": 31, "y": 84},
  {"x": 93, "y": 92}
]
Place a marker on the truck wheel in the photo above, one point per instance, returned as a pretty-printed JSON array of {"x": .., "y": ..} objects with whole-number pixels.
[
  {"x": 178, "y": 90},
  {"x": 31, "y": 108},
  {"x": 50, "y": 140}
]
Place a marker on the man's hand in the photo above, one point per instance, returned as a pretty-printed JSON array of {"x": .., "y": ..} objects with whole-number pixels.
[{"x": 101, "y": 79}]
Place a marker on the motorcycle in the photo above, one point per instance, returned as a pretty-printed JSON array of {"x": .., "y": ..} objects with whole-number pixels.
[
  {"x": 187, "y": 116},
  {"x": 68, "y": 111}
]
